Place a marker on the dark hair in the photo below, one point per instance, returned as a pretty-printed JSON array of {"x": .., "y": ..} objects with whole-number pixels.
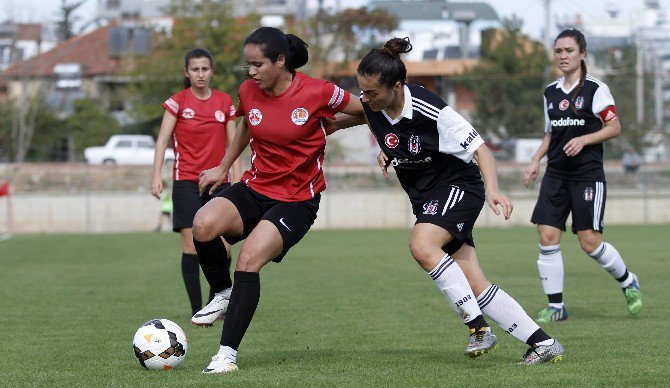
[
  {"x": 581, "y": 43},
  {"x": 273, "y": 43},
  {"x": 386, "y": 63},
  {"x": 196, "y": 53}
]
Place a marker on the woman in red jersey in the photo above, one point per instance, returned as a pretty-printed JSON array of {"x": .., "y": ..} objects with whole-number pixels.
[
  {"x": 277, "y": 199},
  {"x": 200, "y": 121}
]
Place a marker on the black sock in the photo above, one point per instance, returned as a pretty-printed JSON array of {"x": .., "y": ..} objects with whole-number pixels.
[
  {"x": 538, "y": 336},
  {"x": 478, "y": 322},
  {"x": 555, "y": 298},
  {"x": 243, "y": 302},
  {"x": 215, "y": 263},
  {"x": 190, "y": 271}
]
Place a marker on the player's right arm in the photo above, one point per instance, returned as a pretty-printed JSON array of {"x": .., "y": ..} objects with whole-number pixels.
[
  {"x": 533, "y": 168},
  {"x": 167, "y": 127},
  {"x": 216, "y": 175}
]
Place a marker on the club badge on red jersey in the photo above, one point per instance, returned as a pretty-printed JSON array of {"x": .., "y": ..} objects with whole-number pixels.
[
  {"x": 219, "y": 116},
  {"x": 299, "y": 116},
  {"x": 414, "y": 145},
  {"x": 188, "y": 113},
  {"x": 255, "y": 116},
  {"x": 391, "y": 140},
  {"x": 563, "y": 105}
]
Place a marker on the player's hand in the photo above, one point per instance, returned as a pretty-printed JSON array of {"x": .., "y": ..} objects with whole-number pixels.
[
  {"x": 382, "y": 161},
  {"x": 574, "y": 146},
  {"x": 329, "y": 126},
  {"x": 532, "y": 171},
  {"x": 213, "y": 178},
  {"x": 156, "y": 187},
  {"x": 497, "y": 198}
]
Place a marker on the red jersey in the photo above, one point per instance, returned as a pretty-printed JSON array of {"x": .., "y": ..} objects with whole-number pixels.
[
  {"x": 199, "y": 137},
  {"x": 287, "y": 138}
]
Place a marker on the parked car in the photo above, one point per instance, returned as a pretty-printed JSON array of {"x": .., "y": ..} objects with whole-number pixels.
[{"x": 125, "y": 149}]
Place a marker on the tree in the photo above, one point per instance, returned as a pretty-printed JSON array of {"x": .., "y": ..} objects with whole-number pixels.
[
  {"x": 206, "y": 24},
  {"x": 66, "y": 19},
  {"x": 349, "y": 33},
  {"x": 509, "y": 80}
]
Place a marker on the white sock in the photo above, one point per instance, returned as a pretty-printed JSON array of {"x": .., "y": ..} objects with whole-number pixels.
[
  {"x": 451, "y": 280},
  {"x": 550, "y": 267},
  {"x": 229, "y": 352},
  {"x": 507, "y": 313},
  {"x": 610, "y": 259}
]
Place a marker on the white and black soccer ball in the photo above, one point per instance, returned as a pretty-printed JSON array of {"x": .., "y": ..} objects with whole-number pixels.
[{"x": 160, "y": 344}]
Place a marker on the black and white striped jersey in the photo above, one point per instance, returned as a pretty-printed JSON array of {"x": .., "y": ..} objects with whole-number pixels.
[
  {"x": 567, "y": 116},
  {"x": 428, "y": 144}
]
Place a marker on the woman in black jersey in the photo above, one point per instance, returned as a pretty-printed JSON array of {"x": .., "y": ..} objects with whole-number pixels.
[
  {"x": 580, "y": 116},
  {"x": 431, "y": 148}
]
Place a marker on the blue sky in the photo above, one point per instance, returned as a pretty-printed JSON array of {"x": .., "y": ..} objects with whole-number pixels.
[{"x": 530, "y": 11}]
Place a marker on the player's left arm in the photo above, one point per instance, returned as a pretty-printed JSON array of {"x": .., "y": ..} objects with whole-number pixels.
[
  {"x": 603, "y": 107},
  {"x": 487, "y": 166}
]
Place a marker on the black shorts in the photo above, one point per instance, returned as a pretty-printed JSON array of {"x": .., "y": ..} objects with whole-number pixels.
[
  {"x": 186, "y": 201},
  {"x": 292, "y": 219},
  {"x": 560, "y": 197},
  {"x": 454, "y": 208}
]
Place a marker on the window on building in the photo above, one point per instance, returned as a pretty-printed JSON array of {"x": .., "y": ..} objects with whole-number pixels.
[{"x": 113, "y": 4}]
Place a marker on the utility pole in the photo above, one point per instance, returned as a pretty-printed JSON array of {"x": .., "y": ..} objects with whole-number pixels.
[
  {"x": 639, "y": 84},
  {"x": 547, "y": 27}
]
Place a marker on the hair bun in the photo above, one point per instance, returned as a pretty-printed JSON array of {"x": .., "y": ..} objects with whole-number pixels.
[{"x": 397, "y": 46}]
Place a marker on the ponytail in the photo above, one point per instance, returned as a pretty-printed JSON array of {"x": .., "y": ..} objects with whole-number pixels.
[
  {"x": 273, "y": 43},
  {"x": 385, "y": 62}
]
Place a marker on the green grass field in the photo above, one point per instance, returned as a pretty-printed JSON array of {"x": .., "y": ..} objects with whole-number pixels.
[{"x": 345, "y": 308}]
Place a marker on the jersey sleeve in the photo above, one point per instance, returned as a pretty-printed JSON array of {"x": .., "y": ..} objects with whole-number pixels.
[
  {"x": 229, "y": 108},
  {"x": 457, "y": 136},
  {"x": 173, "y": 104},
  {"x": 334, "y": 98},
  {"x": 602, "y": 99},
  {"x": 547, "y": 122},
  {"x": 240, "y": 111}
]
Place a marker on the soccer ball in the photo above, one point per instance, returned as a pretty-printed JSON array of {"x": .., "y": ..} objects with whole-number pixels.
[{"x": 160, "y": 344}]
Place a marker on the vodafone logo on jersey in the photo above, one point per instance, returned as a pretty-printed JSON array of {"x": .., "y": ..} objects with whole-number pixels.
[
  {"x": 255, "y": 116},
  {"x": 563, "y": 105},
  {"x": 188, "y": 113},
  {"x": 219, "y": 116},
  {"x": 568, "y": 122},
  {"x": 299, "y": 116},
  {"x": 391, "y": 140}
]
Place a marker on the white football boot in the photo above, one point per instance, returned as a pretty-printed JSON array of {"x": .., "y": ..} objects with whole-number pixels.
[{"x": 214, "y": 309}]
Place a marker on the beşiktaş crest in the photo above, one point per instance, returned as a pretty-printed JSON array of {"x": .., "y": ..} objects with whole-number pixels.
[
  {"x": 588, "y": 194},
  {"x": 579, "y": 102},
  {"x": 414, "y": 145},
  {"x": 431, "y": 207}
]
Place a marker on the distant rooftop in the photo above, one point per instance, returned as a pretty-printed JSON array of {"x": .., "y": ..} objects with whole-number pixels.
[{"x": 437, "y": 10}]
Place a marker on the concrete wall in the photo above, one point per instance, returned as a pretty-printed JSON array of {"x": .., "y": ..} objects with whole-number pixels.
[{"x": 120, "y": 212}]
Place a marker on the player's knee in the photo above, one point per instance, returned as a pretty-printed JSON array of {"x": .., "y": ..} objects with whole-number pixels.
[
  {"x": 419, "y": 251},
  {"x": 202, "y": 224},
  {"x": 247, "y": 261},
  {"x": 589, "y": 245}
]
